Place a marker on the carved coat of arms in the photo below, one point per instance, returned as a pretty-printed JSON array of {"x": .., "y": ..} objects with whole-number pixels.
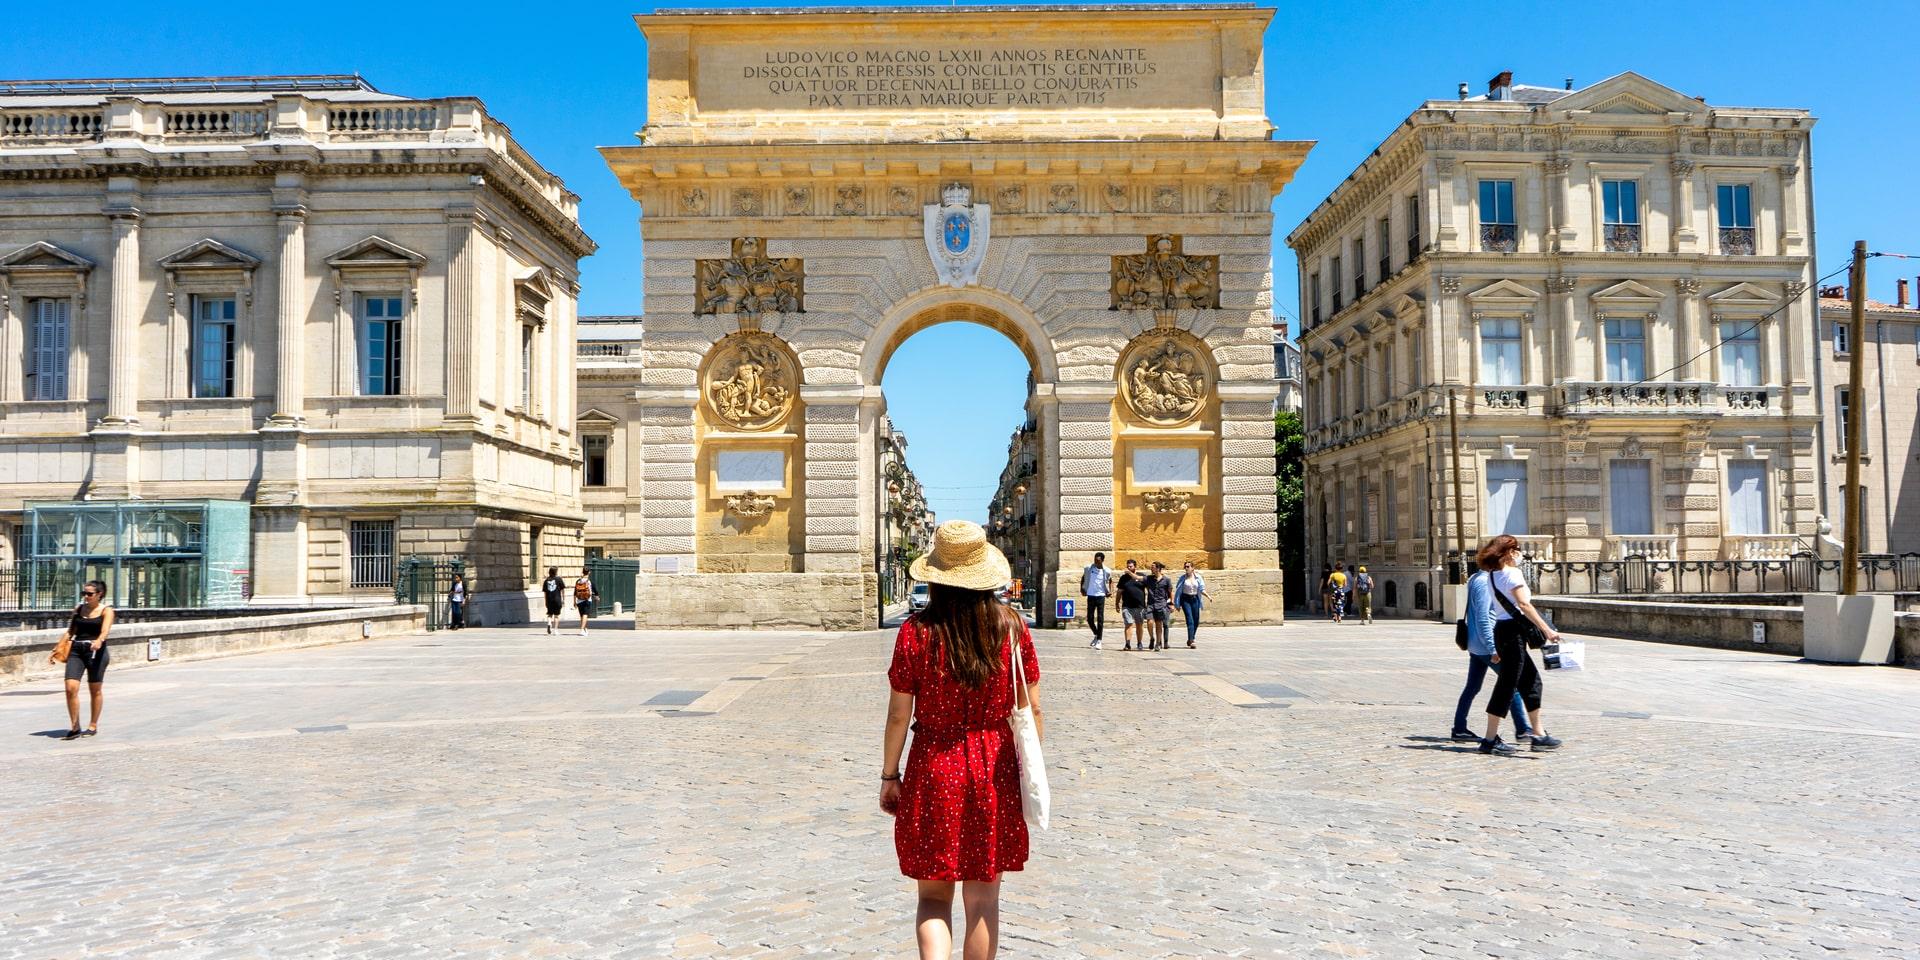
[{"x": 956, "y": 230}]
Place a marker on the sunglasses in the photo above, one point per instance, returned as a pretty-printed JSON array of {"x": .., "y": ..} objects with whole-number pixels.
[{"x": 88, "y": 593}]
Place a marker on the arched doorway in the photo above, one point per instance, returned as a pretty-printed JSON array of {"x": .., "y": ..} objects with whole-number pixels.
[{"x": 962, "y": 396}]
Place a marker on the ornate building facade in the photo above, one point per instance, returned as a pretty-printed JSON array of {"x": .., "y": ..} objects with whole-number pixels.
[
  {"x": 1613, "y": 285},
  {"x": 607, "y": 372},
  {"x": 821, "y": 184},
  {"x": 1889, "y": 480},
  {"x": 350, "y": 310}
]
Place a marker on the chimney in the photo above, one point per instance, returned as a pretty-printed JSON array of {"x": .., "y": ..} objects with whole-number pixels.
[
  {"x": 1901, "y": 287},
  {"x": 1501, "y": 86},
  {"x": 1463, "y": 91},
  {"x": 1569, "y": 83}
]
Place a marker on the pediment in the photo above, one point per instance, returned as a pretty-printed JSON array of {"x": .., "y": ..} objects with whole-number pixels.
[
  {"x": 596, "y": 418},
  {"x": 209, "y": 254},
  {"x": 1504, "y": 291},
  {"x": 1744, "y": 293},
  {"x": 376, "y": 252},
  {"x": 1631, "y": 291},
  {"x": 535, "y": 284},
  {"x": 1406, "y": 306},
  {"x": 41, "y": 256},
  {"x": 1627, "y": 94}
]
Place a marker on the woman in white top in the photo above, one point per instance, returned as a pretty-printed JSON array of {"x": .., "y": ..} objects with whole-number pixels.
[
  {"x": 1511, "y": 599},
  {"x": 1188, "y": 592}
]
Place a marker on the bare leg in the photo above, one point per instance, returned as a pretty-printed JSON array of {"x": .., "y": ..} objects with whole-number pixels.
[
  {"x": 1533, "y": 718},
  {"x": 73, "y": 704},
  {"x": 982, "y": 901},
  {"x": 96, "y": 694},
  {"x": 1493, "y": 726},
  {"x": 933, "y": 920}
]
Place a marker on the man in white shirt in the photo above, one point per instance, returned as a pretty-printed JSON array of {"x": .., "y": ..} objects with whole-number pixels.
[{"x": 1094, "y": 582}]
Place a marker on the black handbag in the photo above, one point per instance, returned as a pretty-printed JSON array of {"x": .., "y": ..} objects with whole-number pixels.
[
  {"x": 1460, "y": 633},
  {"x": 1528, "y": 632}
]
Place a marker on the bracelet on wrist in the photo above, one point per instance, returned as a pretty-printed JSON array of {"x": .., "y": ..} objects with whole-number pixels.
[{"x": 890, "y": 776}]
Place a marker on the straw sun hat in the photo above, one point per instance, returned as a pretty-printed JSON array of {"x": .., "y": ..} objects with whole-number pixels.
[{"x": 962, "y": 557}]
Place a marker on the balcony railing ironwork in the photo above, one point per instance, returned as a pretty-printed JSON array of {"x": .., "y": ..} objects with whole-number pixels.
[
  {"x": 1499, "y": 237},
  {"x": 1737, "y": 241},
  {"x": 1623, "y": 238}
]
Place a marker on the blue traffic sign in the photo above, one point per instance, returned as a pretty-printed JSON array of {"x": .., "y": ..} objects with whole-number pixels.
[{"x": 1063, "y": 609}]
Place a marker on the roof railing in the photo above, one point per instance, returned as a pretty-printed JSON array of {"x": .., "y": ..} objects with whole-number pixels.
[{"x": 329, "y": 81}]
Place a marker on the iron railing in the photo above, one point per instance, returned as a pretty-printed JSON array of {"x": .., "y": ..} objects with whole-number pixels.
[
  {"x": 1499, "y": 237},
  {"x": 427, "y": 581},
  {"x": 1636, "y": 575}
]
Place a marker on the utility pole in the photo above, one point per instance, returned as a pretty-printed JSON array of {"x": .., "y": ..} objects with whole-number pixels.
[
  {"x": 1856, "y": 420},
  {"x": 1459, "y": 498}
]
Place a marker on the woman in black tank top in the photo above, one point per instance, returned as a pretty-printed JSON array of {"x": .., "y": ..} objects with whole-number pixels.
[{"x": 92, "y": 621}]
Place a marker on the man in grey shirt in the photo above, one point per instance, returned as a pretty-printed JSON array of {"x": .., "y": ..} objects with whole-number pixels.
[{"x": 1094, "y": 582}]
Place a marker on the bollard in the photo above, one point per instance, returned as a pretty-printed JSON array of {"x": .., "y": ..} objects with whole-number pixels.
[
  {"x": 366, "y": 629},
  {"x": 616, "y": 608}
]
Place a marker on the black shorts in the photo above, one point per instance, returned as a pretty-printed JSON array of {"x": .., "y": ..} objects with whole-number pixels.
[
  {"x": 585, "y": 607},
  {"x": 554, "y": 606},
  {"x": 83, "y": 662}
]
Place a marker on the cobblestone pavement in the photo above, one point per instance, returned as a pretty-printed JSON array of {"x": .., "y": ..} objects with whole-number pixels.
[{"x": 1276, "y": 792}]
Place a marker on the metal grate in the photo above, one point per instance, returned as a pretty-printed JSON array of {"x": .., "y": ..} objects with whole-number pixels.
[{"x": 370, "y": 550}]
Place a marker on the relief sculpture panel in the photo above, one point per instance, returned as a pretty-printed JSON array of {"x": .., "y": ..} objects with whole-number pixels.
[
  {"x": 1165, "y": 278},
  {"x": 751, "y": 381},
  {"x": 1163, "y": 377},
  {"x": 750, "y": 283}
]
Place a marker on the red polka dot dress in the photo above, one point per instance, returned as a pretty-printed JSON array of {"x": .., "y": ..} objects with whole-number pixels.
[{"x": 959, "y": 816}]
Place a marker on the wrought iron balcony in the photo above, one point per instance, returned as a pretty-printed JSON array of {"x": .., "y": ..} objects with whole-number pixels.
[
  {"x": 1736, "y": 241},
  {"x": 1504, "y": 398},
  {"x": 1634, "y": 399},
  {"x": 1623, "y": 238},
  {"x": 1499, "y": 237}
]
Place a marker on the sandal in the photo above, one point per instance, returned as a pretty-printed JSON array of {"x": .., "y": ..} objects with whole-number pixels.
[
  {"x": 73, "y": 734},
  {"x": 92, "y": 732}
]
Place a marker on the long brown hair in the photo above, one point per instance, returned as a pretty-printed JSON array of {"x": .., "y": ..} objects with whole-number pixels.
[
  {"x": 1494, "y": 555},
  {"x": 970, "y": 626}
]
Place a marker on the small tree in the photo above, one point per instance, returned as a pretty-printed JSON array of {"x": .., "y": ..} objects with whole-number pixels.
[{"x": 1290, "y": 461}]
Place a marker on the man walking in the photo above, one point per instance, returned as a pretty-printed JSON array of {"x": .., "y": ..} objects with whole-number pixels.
[
  {"x": 1337, "y": 586},
  {"x": 583, "y": 597},
  {"x": 1133, "y": 606},
  {"x": 1363, "y": 592},
  {"x": 1159, "y": 604},
  {"x": 1094, "y": 582}
]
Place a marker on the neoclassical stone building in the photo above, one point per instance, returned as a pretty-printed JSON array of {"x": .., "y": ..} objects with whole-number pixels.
[
  {"x": 350, "y": 310},
  {"x": 1889, "y": 481},
  {"x": 1613, "y": 284},
  {"x": 818, "y": 185}
]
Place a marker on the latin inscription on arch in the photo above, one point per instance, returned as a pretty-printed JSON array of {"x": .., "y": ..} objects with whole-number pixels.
[{"x": 1125, "y": 74}]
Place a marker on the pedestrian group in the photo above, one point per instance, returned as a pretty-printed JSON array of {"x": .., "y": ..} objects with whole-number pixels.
[{"x": 1146, "y": 601}]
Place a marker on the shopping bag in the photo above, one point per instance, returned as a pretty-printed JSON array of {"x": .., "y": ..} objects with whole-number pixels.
[
  {"x": 1035, "y": 798},
  {"x": 1567, "y": 655}
]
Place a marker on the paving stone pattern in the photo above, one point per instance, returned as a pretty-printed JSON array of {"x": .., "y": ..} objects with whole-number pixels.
[{"x": 1282, "y": 792}]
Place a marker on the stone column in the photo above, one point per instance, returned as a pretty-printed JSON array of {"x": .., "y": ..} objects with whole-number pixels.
[
  {"x": 1560, "y": 360},
  {"x": 1562, "y": 232},
  {"x": 1790, "y": 239},
  {"x": 1687, "y": 331},
  {"x": 124, "y": 303},
  {"x": 290, "y": 330},
  {"x": 1684, "y": 235},
  {"x": 462, "y": 220},
  {"x": 1083, "y": 441},
  {"x": 1444, "y": 231}
]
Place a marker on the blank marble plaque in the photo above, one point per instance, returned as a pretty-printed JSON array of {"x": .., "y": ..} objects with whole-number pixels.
[
  {"x": 1166, "y": 466},
  {"x": 761, "y": 470}
]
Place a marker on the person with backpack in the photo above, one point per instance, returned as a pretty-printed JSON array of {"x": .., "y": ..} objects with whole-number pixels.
[
  {"x": 583, "y": 597},
  {"x": 1479, "y": 632},
  {"x": 1363, "y": 593},
  {"x": 554, "y": 591},
  {"x": 1516, "y": 626}
]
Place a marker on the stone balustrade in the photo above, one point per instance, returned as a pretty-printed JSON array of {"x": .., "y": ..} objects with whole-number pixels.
[
  {"x": 1765, "y": 546},
  {"x": 1537, "y": 547},
  {"x": 1650, "y": 547}
]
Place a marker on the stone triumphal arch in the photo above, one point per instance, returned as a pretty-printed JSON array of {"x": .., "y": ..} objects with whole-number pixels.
[{"x": 818, "y": 185}]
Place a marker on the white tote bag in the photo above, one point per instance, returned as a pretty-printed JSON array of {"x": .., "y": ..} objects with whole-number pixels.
[
  {"x": 1034, "y": 797},
  {"x": 1566, "y": 656}
]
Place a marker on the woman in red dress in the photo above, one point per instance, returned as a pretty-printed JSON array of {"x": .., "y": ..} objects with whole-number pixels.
[{"x": 957, "y": 814}]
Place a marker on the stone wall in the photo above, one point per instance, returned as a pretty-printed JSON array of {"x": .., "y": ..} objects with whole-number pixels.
[
  {"x": 763, "y": 601},
  {"x": 23, "y": 655},
  {"x": 1906, "y": 639},
  {"x": 1726, "y": 626}
]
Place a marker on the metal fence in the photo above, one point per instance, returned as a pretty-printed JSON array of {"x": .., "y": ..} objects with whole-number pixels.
[
  {"x": 614, "y": 579},
  {"x": 1801, "y": 573},
  {"x": 427, "y": 581}
]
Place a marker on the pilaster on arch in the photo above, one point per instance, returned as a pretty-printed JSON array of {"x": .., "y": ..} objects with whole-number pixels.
[{"x": 934, "y": 305}]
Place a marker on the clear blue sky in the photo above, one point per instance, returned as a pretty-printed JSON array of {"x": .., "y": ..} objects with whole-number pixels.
[{"x": 570, "y": 77}]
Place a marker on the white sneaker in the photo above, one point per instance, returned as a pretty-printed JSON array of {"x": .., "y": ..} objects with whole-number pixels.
[
  {"x": 583, "y": 633},
  {"x": 1096, "y": 645}
]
